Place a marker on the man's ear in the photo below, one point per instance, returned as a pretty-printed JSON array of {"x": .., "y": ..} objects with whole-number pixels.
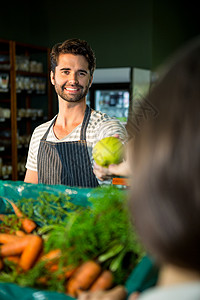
[
  {"x": 91, "y": 80},
  {"x": 52, "y": 78}
]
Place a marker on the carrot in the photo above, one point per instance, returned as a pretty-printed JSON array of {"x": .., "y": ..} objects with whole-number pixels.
[
  {"x": 50, "y": 258},
  {"x": 12, "y": 258},
  {"x": 31, "y": 252},
  {"x": 51, "y": 255},
  {"x": 27, "y": 224},
  {"x": 83, "y": 277},
  {"x": 42, "y": 280},
  {"x": 20, "y": 233},
  {"x": 1, "y": 264},
  {"x": 8, "y": 238},
  {"x": 68, "y": 271},
  {"x": 53, "y": 268},
  {"x": 15, "y": 247},
  {"x": 2, "y": 217},
  {"x": 17, "y": 211},
  {"x": 103, "y": 282}
]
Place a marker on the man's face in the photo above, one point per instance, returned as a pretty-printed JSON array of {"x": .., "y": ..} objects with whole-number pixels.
[{"x": 72, "y": 77}]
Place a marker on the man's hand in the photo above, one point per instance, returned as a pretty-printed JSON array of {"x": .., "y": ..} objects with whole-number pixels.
[
  {"x": 101, "y": 172},
  {"x": 124, "y": 168},
  {"x": 117, "y": 293},
  {"x": 120, "y": 170}
]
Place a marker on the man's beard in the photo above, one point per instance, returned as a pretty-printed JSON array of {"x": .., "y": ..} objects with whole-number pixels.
[{"x": 74, "y": 98}]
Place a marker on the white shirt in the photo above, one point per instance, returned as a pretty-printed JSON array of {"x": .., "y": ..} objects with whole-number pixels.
[{"x": 100, "y": 125}]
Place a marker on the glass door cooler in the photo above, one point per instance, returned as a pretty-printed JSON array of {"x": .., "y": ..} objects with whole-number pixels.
[{"x": 110, "y": 92}]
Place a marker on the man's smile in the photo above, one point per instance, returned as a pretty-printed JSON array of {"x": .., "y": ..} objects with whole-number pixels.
[{"x": 72, "y": 89}]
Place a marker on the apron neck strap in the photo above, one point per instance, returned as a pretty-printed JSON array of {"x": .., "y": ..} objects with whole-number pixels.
[
  {"x": 85, "y": 123},
  {"x": 83, "y": 127},
  {"x": 47, "y": 132}
]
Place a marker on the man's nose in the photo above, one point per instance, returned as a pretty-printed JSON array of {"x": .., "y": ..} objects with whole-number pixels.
[{"x": 73, "y": 78}]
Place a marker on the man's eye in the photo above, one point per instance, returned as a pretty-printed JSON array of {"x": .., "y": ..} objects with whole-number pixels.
[
  {"x": 66, "y": 72},
  {"x": 82, "y": 74}
]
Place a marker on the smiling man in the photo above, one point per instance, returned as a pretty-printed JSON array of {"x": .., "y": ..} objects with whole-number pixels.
[{"x": 60, "y": 150}]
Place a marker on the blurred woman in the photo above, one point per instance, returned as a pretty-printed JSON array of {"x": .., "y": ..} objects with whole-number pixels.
[
  {"x": 165, "y": 190},
  {"x": 165, "y": 202}
]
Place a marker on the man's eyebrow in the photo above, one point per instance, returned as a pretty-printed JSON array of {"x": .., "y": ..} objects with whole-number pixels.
[
  {"x": 65, "y": 69},
  {"x": 84, "y": 71},
  {"x": 80, "y": 70}
]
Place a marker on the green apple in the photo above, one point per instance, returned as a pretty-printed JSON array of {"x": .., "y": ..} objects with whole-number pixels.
[{"x": 108, "y": 151}]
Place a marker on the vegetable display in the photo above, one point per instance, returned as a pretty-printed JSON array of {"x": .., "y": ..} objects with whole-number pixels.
[{"x": 71, "y": 248}]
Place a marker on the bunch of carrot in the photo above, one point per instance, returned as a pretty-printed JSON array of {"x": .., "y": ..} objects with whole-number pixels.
[
  {"x": 27, "y": 224},
  {"x": 21, "y": 247},
  {"x": 25, "y": 251},
  {"x": 24, "y": 248},
  {"x": 89, "y": 275}
]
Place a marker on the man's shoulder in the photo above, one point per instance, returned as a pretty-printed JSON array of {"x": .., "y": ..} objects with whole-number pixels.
[
  {"x": 103, "y": 119},
  {"x": 98, "y": 115},
  {"x": 103, "y": 125}
]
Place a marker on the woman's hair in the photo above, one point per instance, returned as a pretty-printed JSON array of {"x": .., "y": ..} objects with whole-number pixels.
[
  {"x": 165, "y": 197},
  {"x": 76, "y": 47}
]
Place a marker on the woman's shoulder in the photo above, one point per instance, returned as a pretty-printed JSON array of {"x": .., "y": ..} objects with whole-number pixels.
[{"x": 186, "y": 291}]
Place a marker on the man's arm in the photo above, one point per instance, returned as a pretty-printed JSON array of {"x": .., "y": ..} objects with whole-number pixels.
[
  {"x": 108, "y": 173},
  {"x": 31, "y": 176}
]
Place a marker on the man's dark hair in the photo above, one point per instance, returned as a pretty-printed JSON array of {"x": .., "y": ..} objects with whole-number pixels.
[{"x": 76, "y": 47}]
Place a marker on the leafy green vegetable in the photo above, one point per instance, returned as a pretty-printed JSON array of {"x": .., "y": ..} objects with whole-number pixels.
[
  {"x": 48, "y": 208},
  {"x": 99, "y": 230},
  {"x": 10, "y": 223},
  {"x": 31, "y": 278}
]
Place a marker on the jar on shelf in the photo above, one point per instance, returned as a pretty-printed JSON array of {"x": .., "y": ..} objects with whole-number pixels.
[
  {"x": 22, "y": 63},
  {"x": 4, "y": 82}
]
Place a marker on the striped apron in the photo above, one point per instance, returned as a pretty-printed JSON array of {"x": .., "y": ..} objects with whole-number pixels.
[{"x": 66, "y": 163}]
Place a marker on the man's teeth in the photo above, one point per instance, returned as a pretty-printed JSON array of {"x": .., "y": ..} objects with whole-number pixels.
[{"x": 71, "y": 89}]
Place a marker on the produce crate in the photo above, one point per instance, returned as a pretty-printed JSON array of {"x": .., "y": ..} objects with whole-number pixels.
[{"x": 143, "y": 276}]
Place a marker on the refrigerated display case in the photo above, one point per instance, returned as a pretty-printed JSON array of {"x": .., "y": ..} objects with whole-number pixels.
[
  {"x": 111, "y": 92},
  {"x": 116, "y": 91},
  {"x": 114, "y": 102}
]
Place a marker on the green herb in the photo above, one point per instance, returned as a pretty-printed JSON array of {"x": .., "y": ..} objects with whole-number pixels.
[
  {"x": 47, "y": 208},
  {"x": 10, "y": 224},
  {"x": 100, "y": 231}
]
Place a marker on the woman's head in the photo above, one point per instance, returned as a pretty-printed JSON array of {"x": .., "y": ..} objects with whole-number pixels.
[{"x": 166, "y": 165}]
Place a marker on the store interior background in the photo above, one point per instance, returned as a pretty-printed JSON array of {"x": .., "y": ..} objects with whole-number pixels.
[{"x": 137, "y": 33}]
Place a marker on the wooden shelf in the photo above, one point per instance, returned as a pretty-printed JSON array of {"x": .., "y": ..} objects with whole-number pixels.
[
  {"x": 2, "y": 70},
  {"x": 31, "y": 74},
  {"x": 13, "y": 98}
]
